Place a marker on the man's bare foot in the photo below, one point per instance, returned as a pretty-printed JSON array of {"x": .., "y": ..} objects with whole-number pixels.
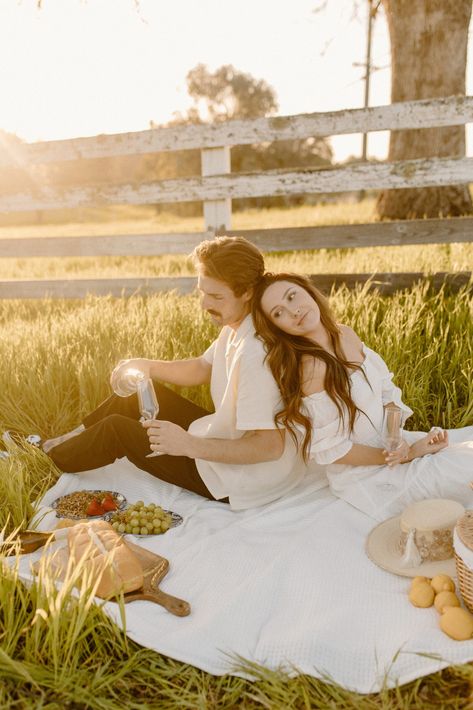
[{"x": 51, "y": 443}]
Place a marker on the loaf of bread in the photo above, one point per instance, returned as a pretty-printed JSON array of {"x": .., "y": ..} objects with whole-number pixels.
[
  {"x": 105, "y": 558},
  {"x": 69, "y": 522}
]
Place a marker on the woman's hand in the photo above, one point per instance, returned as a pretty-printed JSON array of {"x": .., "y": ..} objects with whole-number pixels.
[
  {"x": 438, "y": 435},
  {"x": 168, "y": 438},
  {"x": 432, "y": 443},
  {"x": 399, "y": 455}
]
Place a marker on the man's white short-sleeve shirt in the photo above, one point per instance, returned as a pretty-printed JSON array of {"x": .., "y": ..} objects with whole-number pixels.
[{"x": 246, "y": 398}]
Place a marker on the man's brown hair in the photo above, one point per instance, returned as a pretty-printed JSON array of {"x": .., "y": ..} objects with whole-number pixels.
[{"x": 233, "y": 260}]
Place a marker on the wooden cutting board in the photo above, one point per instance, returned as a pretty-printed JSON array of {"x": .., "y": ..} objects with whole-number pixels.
[{"x": 154, "y": 567}]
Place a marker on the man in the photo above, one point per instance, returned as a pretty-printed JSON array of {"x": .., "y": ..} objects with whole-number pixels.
[{"x": 235, "y": 454}]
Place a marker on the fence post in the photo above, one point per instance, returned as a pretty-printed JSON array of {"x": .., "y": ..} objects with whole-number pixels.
[{"x": 217, "y": 213}]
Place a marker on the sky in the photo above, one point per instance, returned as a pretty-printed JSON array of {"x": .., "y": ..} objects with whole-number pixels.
[{"x": 85, "y": 67}]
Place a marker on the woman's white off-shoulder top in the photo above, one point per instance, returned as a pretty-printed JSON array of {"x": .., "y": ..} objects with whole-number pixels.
[{"x": 371, "y": 389}]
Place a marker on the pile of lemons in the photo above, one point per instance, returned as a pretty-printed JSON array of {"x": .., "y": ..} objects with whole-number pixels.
[{"x": 440, "y": 592}]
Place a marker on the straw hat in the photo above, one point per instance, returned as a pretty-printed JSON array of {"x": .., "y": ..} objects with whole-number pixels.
[{"x": 419, "y": 541}]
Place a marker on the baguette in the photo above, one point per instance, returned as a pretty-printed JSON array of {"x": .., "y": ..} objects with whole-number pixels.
[{"x": 104, "y": 556}]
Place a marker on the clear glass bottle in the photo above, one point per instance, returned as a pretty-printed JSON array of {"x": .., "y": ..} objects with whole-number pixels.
[{"x": 125, "y": 381}]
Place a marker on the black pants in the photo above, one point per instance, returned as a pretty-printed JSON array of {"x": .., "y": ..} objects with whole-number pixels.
[{"x": 113, "y": 430}]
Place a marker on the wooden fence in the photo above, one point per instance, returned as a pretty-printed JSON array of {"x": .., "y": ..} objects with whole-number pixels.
[{"x": 217, "y": 186}]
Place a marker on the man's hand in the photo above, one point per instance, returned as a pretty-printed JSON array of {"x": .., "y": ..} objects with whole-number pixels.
[
  {"x": 168, "y": 438},
  {"x": 141, "y": 364}
]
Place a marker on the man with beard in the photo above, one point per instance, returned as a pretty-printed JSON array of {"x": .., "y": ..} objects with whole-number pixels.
[{"x": 236, "y": 454}]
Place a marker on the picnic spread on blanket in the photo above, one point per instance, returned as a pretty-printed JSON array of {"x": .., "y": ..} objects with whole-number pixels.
[{"x": 300, "y": 584}]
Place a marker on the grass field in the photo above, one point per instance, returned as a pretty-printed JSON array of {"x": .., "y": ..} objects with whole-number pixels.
[
  {"x": 57, "y": 651},
  {"x": 143, "y": 220}
]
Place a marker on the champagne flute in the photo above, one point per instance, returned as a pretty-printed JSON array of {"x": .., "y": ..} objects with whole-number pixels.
[
  {"x": 148, "y": 404},
  {"x": 392, "y": 427}
]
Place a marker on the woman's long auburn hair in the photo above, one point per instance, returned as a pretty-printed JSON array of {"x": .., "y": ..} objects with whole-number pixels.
[{"x": 284, "y": 357}]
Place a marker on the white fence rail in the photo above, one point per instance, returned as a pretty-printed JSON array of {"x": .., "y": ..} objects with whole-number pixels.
[
  {"x": 408, "y": 173},
  {"x": 431, "y": 113},
  {"x": 419, "y": 231},
  {"x": 218, "y": 186}
]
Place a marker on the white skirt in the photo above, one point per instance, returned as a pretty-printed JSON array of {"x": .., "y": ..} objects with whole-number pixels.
[{"x": 382, "y": 492}]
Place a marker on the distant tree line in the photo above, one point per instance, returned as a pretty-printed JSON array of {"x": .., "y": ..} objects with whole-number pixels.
[
  {"x": 228, "y": 94},
  {"x": 221, "y": 95},
  {"x": 424, "y": 65}
]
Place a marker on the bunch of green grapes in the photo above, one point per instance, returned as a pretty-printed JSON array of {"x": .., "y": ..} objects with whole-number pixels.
[{"x": 141, "y": 519}]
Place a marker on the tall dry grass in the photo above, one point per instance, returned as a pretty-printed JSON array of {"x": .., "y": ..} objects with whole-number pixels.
[{"x": 59, "y": 651}]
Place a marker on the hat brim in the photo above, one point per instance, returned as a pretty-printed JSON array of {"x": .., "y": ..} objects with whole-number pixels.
[{"x": 382, "y": 549}]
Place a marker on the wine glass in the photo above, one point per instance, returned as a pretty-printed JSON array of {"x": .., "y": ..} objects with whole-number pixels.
[
  {"x": 392, "y": 427},
  {"x": 148, "y": 404}
]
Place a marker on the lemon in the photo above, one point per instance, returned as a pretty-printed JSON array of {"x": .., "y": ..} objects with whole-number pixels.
[
  {"x": 442, "y": 583},
  {"x": 457, "y": 623},
  {"x": 422, "y": 595},
  {"x": 445, "y": 599},
  {"x": 418, "y": 580}
]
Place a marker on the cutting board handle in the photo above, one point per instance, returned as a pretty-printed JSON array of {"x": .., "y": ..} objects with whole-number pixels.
[{"x": 174, "y": 605}]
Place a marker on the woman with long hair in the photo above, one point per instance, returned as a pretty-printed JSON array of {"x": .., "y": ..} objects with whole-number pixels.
[{"x": 334, "y": 392}]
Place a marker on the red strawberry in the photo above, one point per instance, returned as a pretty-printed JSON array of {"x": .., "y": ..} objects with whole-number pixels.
[
  {"x": 94, "y": 508},
  {"x": 108, "y": 503}
]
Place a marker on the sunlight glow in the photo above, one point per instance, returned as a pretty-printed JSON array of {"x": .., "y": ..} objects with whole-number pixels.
[{"x": 75, "y": 68}]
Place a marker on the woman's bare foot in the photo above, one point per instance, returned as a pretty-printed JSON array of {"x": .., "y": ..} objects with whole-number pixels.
[{"x": 51, "y": 443}]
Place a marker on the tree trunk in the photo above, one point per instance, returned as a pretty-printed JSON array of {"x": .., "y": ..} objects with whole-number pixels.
[{"x": 428, "y": 57}]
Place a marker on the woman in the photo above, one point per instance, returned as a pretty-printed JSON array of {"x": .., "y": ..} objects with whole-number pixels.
[{"x": 334, "y": 391}]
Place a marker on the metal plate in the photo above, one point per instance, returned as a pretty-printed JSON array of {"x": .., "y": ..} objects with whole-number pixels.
[
  {"x": 118, "y": 497},
  {"x": 176, "y": 520}
]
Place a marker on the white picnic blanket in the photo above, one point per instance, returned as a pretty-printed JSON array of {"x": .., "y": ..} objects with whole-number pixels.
[{"x": 286, "y": 585}]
